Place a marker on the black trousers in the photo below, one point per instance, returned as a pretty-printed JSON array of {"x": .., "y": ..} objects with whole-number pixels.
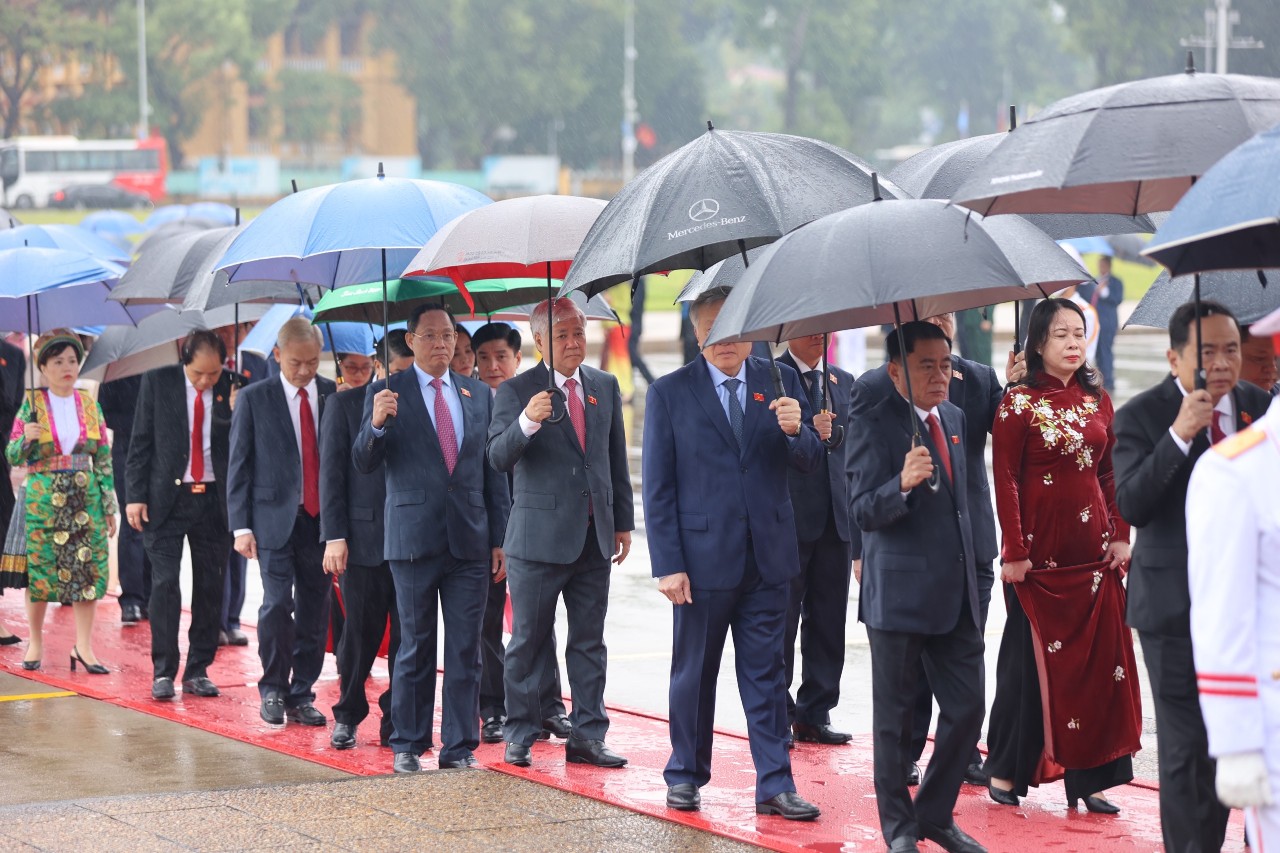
[
  {"x": 493, "y": 658},
  {"x": 369, "y": 594},
  {"x": 955, "y": 667},
  {"x": 135, "y": 568},
  {"x": 294, "y": 616},
  {"x": 233, "y": 590},
  {"x": 819, "y": 595},
  {"x": 535, "y": 587},
  {"x": 1191, "y": 818},
  {"x": 197, "y": 519},
  {"x": 923, "y": 714}
]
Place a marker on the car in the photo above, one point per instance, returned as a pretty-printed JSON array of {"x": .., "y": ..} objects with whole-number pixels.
[{"x": 81, "y": 196}]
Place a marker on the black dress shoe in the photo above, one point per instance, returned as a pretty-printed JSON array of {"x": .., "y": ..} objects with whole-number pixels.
[
  {"x": 824, "y": 734},
  {"x": 491, "y": 731},
  {"x": 951, "y": 838},
  {"x": 406, "y": 762},
  {"x": 273, "y": 709},
  {"x": 10, "y": 640},
  {"x": 581, "y": 751},
  {"x": 343, "y": 737},
  {"x": 222, "y": 638},
  {"x": 791, "y": 741},
  {"x": 130, "y": 614},
  {"x": 162, "y": 688},
  {"x": 462, "y": 763},
  {"x": 236, "y": 637},
  {"x": 684, "y": 797},
  {"x": 913, "y": 776},
  {"x": 517, "y": 755},
  {"x": 306, "y": 715},
  {"x": 558, "y": 725},
  {"x": 975, "y": 775},
  {"x": 1097, "y": 805},
  {"x": 200, "y": 686},
  {"x": 904, "y": 844},
  {"x": 790, "y": 805},
  {"x": 1001, "y": 796}
]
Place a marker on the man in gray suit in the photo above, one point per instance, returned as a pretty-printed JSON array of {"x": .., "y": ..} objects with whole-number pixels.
[{"x": 571, "y": 512}]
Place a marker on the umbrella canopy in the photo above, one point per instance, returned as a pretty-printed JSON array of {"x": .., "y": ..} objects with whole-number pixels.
[
  {"x": 8, "y": 220},
  {"x": 210, "y": 287},
  {"x": 938, "y": 172},
  {"x": 43, "y": 289},
  {"x": 595, "y": 308},
  {"x": 725, "y": 192},
  {"x": 124, "y": 351},
  {"x": 362, "y": 303},
  {"x": 1240, "y": 291},
  {"x": 165, "y": 273},
  {"x": 867, "y": 265},
  {"x": 172, "y": 229},
  {"x": 343, "y": 233},
  {"x": 338, "y": 337},
  {"x": 112, "y": 224},
  {"x": 1131, "y": 148},
  {"x": 725, "y": 273},
  {"x": 210, "y": 211},
  {"x": 1268, "y": 325},
  {"x": 1231, "y": 218},
  {"x": 71, "y": 237},
  {"x": 1090, "y": 246}
]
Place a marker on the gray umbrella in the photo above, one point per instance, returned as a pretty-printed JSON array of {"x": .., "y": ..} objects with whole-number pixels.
[
  {"x": 868, "y": 265},
  {"x": 726, "y": 273},
  {"x": 210, "y": 289},
  {"x": 172, "y": 229},
  {"x": 165, "y": 272},
  {"x": 1241, "y": 291},
  {"x": 724, "y": 193},
  {"x": 1130, "y": 148},
  {"x": 124, "y": 351},
  {"x": 939, "y": 171}
]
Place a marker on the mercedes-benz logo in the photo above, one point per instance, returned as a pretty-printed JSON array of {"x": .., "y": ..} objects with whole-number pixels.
[{"x": 704, "y": 209}]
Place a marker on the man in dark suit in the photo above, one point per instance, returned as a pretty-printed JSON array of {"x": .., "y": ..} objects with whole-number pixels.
[
  {"x": 13, "y": 367},
  {"x": 572, "y": 512},
  {"x": 497, "y": 354},
  {"x": 821, "y": 591},
  {"x": 976, "y": 391},
  {"x": 445, "y": 513},
  {"x": 1160, "y": 434},
  {"x": 1105, "y": 295},
  {"x": 722, "y": 537},
  {"x": 177, "y": 489},
  {"x": 273, "y": 507},
  {"x": 919, "y": 597},
  {"x": 119, "y": 400},
  {"x": 351, "y": 514}
]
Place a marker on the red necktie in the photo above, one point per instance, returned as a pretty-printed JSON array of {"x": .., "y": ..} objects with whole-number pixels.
[
  {"x": 197, "y": 440},
  {"x": 310, "y": 456},
  {"x": 444, "y": 427},
  {"x": 1215, "y": 430},
  {"x": 577, "y": 415},
  {"x": 940, "y": 442}
]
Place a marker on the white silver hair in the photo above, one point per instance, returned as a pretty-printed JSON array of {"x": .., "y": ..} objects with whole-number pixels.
[
  {"x": 298, "y": 329},
  {"x": 711, "y": 296},
  {"x": 565, "y": 308}
]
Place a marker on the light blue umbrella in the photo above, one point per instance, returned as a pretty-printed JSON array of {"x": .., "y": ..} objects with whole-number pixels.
[
  {"x": 1090, "y": 246},
  {"x": 338, "y": 337},
  {"x": 72, "y": 237},
  {"x": 112, "y": 223},
  {"x": 210, "y": 211}
]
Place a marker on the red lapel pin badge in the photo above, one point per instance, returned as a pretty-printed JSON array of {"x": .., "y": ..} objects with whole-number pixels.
[
  {"x": 758, "y": 397},
  {"x": 955, "y": 439},
  {"x": 832, "y": 377},
  {"x": 464, "y": 392},
  {"x": 1246, "y": 417},
  {"x": 591, "y": 400},
  {"x": 955, "y": 374}
]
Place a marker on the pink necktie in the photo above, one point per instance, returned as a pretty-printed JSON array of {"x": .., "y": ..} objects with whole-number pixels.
[
  {"x": 444, "y": 428},
  {"x": 576, "y": 413},
  {"x": 197, "y": 440}
]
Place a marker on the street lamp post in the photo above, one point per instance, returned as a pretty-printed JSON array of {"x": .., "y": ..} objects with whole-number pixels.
[
  {"x": 143, "y": 131},
  {"x": 629, "y": 116}
]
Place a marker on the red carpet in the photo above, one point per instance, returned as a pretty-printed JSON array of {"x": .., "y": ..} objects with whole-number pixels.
[{"x": 838, "y": 779}]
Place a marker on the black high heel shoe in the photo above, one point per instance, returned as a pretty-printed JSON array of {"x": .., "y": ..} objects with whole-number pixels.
[
  {"x": 1097, "y": 805},
  {"x": 91, "y": 668},
  {"x": 11, "y": 640},
  {"x": 31, "y": 665},
  {"x": 1001, "y": 796}
]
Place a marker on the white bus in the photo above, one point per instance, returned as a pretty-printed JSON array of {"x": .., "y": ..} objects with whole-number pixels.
[{"x": 33, "y": 169}]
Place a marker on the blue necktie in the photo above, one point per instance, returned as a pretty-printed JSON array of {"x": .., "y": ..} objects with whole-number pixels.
[
  {"x": 815, "y": 390},
  {"x": 735, "y": 409}
]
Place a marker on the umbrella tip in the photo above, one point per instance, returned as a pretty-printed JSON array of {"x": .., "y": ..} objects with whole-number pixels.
[
  {"x": 237, "y": 216},
  {"x": 381, "y": 174},
  {"x": 875, "y": 187},
  {"x": 1191, "y": 62},
  {"x": 710, "y": 126},
  {"x": 294, "y": 182},
  {"x": 1013, "y": 117},
  {"x": 1262, "y": 278}
]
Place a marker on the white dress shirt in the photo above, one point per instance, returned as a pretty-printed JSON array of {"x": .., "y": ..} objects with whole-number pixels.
[
  {"x": 451, "y": 399},
  {"x": 1227, "y": 423},
  {"x": 294, "y": 402},
  {"x": 65, "y": 421},
  {"x": 529, "y": 427},
  {"x": 206, "y": 441},
  {"x": 718, "y": 378}
]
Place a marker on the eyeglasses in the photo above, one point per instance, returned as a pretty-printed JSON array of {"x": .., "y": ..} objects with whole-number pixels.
[{"x": 433, "y": 338}]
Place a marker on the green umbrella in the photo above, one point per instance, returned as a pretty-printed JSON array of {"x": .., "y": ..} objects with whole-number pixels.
[{"x": 362, "y": 303}]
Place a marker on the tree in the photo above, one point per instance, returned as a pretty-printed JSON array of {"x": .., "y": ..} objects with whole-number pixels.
[
  {"x": 315, "y": 105},
  {"x": 1134, "y": 38},
  {"x": 34, "y": 33}
]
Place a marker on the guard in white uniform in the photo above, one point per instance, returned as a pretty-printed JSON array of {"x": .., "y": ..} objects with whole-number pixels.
[{"x": 1233, "y": 537}]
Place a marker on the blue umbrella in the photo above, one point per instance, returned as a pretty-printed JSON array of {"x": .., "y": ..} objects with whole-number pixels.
[
  {"x": 210, "y": 211},
  {"x": 112, "y": 223},
  {"x": 1090, "y": 246},
  {"x": 341, "y": 337},
  {"x": 1230, "y": 219},
  {"x": 72, "y": 237}
]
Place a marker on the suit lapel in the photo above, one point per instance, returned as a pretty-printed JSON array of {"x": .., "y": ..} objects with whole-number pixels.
[
  {"x": 705, "y": 393},
  {"x": 757, "y": 403},
  {"x": 474, "y": 428},
  {"x": 597, "y": 418},
  {"x": 955, "y": 452},
  {"x": 284, "y": 418},
  {"x": 416, "y": 408}
]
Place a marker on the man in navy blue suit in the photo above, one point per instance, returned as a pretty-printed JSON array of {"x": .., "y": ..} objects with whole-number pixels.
[
  {"x": 919, "y": 597},
  {"x": 445, "y": 514},
  {"x": 821, "y": 591},
  {"x": 722, "y": 538},
  {"x": 273, "y": 507}
]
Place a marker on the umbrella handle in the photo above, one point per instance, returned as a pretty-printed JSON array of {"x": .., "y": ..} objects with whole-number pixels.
[
  {"x": 556, "y": 417},
  {"x": 934, "y": 482}
]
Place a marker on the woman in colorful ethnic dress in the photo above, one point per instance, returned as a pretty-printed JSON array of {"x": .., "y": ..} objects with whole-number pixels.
[
  {"x": 70, "y": 499},
  {"x": 1066, "y": 660}
]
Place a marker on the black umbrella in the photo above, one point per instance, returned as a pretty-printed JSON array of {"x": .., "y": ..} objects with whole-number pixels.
[
  {"x": 172, "y": 229},
  {"x": 724, "y": 273},
  {"x": 1131, "y": 148},
  {"x": 166, "y": 271},
  {"x": 1243, "y": 292}
]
